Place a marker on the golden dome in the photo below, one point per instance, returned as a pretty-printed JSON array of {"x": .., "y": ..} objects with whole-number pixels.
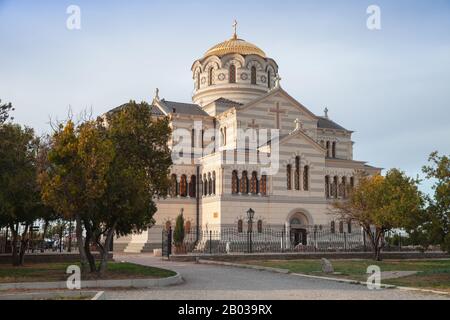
[{"x": 234, "y": 45}]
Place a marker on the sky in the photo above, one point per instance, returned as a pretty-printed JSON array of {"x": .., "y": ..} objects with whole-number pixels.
[{"x": 391, "y": 86}]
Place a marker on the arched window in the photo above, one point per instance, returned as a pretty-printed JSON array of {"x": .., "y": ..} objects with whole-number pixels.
[
  {"x": 193, "y": 187},
  {"x": 240, "y": 225},
  {"x": 234, "y": 182},
  {"x": 187, "y": 227},
  {"x": 253, "y": 75},
  {"x": 214, "y": 182},
  {"x": 254, "y": 183},
  {"x": 344, "y": 187},
  {"x": 183, "y": 186},
  {"x": 173, "y": 185},
  {"x": 269, "y": 80},
  {"x": 198, "y": 80},
  {"x": 263, "y": 185},
  {"x": 209, "y": 184},
  {"x": 349, "y": 227},
  {"x": 289, "y": 176},
  {"x": 328, "y": 148},
  {"x": 211, "y": 76},
  {"x": 232, "y": 74},
  {"x": 244, "y": 183},
  {"x": 333, "y": 227},
  {"x": 225, "y": 136},
  {"x": 327, "y": 187},
  {"x": 335, "y": 187},
  {"x": 297, "y": 173},
  {"x": 260, "y": 226},
  {"x": 306, "y": 178},
  {"x": 341, "y": 227},
  {"x": 205, "y": 185},
  {"x": 352, "y": 182},
  {"x": 333, "y": 150}
]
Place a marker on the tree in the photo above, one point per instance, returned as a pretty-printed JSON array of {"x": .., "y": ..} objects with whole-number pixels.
[
  {"x": 178, "y": 233},
  {"x": 5, "y": 108},
  {"x": 20, "y": 201},
  {"x": 106, "y": 174},
  {"x": 438, "y": 224},
  {"x": 136, "y": 177},
  {"x": 380, "y": 204},
  {"x": 75, "y": 180}
]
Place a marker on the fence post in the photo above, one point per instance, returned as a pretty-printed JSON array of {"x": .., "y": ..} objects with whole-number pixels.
[
  {"x": 282, "y": 238},
  {"x": 315, "y": 239},
  {"x": 345, "y": 241},
  {"x": 169, "y": 242},
  {"x": 364, "y": 240},
  {"x": 210, "y": 241}
]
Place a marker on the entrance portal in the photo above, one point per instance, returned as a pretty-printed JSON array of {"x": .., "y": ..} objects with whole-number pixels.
[{"x": 298, "y": 236}]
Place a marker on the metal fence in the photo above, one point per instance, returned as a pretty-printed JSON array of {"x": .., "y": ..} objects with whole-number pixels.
[{"x": 231, "y": 239}]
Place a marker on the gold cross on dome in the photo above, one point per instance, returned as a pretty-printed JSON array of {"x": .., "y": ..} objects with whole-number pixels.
[{"x": 235, "y": 23}]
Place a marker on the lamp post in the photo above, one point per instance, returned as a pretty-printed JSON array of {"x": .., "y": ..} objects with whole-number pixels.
[{"x": 250, "y": 215}]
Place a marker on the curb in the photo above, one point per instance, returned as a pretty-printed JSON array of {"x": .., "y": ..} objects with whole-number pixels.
[
  {"x": 349, "y": 281},
  {"x": 51, "y": 295},
  {"x": 129, "y": 283}
]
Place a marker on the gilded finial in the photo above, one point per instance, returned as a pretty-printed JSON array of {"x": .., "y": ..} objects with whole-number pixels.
[{"x": 235, "y": 23}]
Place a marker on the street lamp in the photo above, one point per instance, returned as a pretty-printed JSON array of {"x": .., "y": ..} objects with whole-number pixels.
[{"x": 250, "y": 215}]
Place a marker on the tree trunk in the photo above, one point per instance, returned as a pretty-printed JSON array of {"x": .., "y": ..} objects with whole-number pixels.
[
  {"x": 24, "y": 241},
  {"x": 14, "y": 239},
  {"x": 105, "y": 250},
  {"x": 87, "y": 248},
  {"x": 80, "y": 244}
]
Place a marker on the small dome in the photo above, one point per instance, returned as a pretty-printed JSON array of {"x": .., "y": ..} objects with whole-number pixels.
[{"x": 234, "y": 45}]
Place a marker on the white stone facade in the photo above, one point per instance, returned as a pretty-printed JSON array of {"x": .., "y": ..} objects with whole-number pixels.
[{"x": 239, "y": 89}]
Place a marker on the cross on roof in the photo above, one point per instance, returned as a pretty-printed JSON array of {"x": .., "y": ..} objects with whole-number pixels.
[
  {"x": 235, "y": 23},
  {"x": 277, "y": 111}
]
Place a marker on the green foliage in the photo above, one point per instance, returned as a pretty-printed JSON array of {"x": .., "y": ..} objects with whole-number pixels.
[
  {"x": 178, "y": 233},
  {"x": 438, "y": 224},
  {"x": 5, "y": 109},
  {"x": 380, "y": 204}
]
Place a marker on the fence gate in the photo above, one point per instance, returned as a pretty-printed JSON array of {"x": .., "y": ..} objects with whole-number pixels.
[{"x": 167, "y": 242}]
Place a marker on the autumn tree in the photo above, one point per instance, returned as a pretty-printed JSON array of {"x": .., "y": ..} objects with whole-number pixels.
[{"x": 380, "y": 204}]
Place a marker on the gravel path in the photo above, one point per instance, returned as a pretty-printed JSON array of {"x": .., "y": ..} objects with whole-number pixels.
[{"x": 208, "y": 282}]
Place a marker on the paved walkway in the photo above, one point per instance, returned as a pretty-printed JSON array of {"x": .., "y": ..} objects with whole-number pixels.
[{"x": 208, "y": 282}]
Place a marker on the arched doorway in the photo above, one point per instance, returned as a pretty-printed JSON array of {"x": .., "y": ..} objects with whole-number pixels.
[{"x": 298, "y": 229}]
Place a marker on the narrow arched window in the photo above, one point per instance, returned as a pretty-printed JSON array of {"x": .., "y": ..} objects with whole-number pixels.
[
  {"x": 327, "y": 187},
  {"x": 205, "y": 185},
  {"x": 328, "y": 148},
  {"x": 341, "y": 227},
  {"x": 289, "y": 176},
  {"x": 232, "y": 73},
  {"x": 183, "y": 186},
  {"x": 198, "y": 81},
  {"x": 306, "y": 178},
  {"x": 263, "y": 185},
  {"x": 214, "y": 183},
  {"x": 211, "y": 76},
  {"x": 209, "y": 184},
  {"x": 335, "y": 187},
  {"x": 225, "y": 136},
  {"x": 352, "y": 182},
  {"x": 333, "y": 150},
  {"x": 269, "y": 80},
  {"x": 260, "y": 226},
  {"x": 253, "y": 75},
  {"x": 344, "y": 187},
  {"x": 193, "y": 187},
  {"x": 349, "y": 227},
  {"x": 240, "y": 225},
  {"x": 297, "y": 173},
  {"x": 244, "y": 183},
  {"x": 234, "y": 183},
  {"x": 222, "y": 136},
  {"x": 254, "y": 183},
  {"x": 333, "y": 227}
]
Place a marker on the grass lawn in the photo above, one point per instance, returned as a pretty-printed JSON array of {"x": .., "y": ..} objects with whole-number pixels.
[
  {"x": 57, "y": 272},
  {"x": 432, "y": 274}
]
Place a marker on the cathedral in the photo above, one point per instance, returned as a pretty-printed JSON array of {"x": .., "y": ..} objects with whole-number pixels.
[{"x": 237, "y": 89}]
